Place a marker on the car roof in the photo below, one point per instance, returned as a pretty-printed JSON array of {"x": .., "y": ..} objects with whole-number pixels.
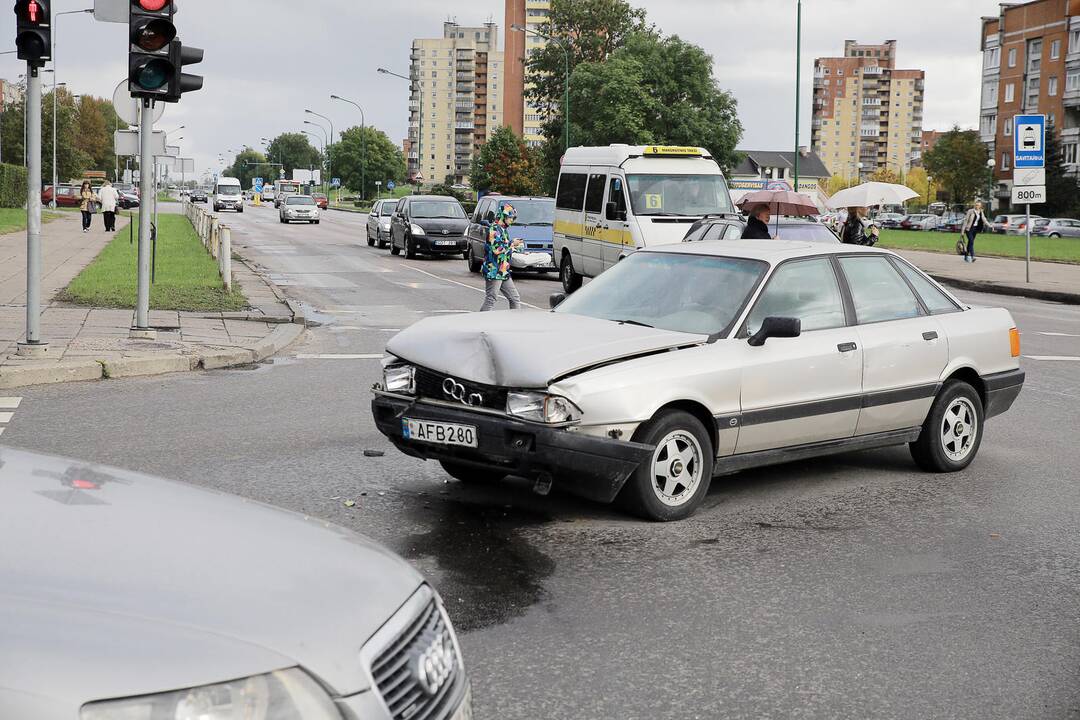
[
  {"x": 772, "y": 251},
  {"x": 430, "y": 197}
]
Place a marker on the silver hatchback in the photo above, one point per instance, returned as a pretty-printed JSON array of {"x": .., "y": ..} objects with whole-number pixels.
[{"x": 128, "y": 596}]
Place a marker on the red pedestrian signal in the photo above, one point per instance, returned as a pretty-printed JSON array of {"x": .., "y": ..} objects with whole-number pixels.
[{"x": 33, "y": 38}]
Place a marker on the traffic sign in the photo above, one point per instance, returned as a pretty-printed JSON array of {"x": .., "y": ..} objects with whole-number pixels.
[
  {"x": 1029, "y": 141},
  {"x": 1028, "y": 177},
  {"x": 335, "y": 182},
  {"x": 1028, "y": 194},
  {"x": 258, "y": 185},
  {"x": 390, "y": 185}
]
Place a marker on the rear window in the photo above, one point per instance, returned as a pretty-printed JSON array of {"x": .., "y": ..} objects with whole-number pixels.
[{"x": 571, "y": 194}]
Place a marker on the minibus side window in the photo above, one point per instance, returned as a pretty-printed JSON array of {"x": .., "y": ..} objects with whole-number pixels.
[
  {"x": 616, "y": 200},
  {"x": 571, "y": 194},
  {"x": 594, "y": 198}
]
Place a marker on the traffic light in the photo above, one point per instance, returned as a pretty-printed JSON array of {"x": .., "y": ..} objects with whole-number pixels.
[
  {"x": 156, "y": 58},
  {"x": 33, "y": 38},
  {"x": 182, "y": 82}
]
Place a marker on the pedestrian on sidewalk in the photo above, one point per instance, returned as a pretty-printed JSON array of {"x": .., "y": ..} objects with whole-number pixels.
[
  {"x": 108, "y": 197},
  {"x": 497, "y": 260},
  {"x": 86, "y": 204},
  {"x": 757, "y": 227},
  {"x": 974, "y": 223}
]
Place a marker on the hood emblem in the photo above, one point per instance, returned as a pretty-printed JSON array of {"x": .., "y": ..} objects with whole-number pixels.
[
  {"x": 456, "y": 391},
  {"x": 445, "y": 231},
  {"x": 432, "y": 667}
]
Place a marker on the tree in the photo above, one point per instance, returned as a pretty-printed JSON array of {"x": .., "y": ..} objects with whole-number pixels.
[
  {"x": 1062, "y": 190},
  {"x": 294, "y": 151},
  {"x": 919, "y": 181},
  {"x": 885, "y": 175},
  {"x": 839, "y": 182},
  {"x": 250, "y": 164},
  {"x": 958, "y": 163},
  {"x": 384, "y": 159},
  {"x": 505, "y": 164}
]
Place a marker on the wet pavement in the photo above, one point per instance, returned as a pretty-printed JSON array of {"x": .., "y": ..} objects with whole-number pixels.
[{"x": 853, "y": 586}]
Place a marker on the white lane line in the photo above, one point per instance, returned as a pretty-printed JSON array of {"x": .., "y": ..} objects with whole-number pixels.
[
  {"x": 339, "y": 356},
  {"x": 1053, "y": 358},
  {"x": 10, "y": 403},
  {"x": 5, "y": 417},
  {"x": 1056, "y": 334},
  {"x": 464, "y": 285}
]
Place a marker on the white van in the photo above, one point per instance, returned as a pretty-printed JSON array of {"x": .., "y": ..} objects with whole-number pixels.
[
  {"x": 228, "y": 195},
  {"x": 613, "y": 200}
]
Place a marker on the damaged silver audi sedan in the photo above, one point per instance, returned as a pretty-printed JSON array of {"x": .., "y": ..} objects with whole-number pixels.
[{"x": 689, "y": 361}]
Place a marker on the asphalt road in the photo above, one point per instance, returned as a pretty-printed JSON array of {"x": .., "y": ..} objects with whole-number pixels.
[{"x": 848, "y": 587}]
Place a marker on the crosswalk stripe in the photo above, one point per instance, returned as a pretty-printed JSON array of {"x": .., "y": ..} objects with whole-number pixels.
[
  {"x": 10, "y": 403},
  {"x": 5, "y": 417},
  {"x": 339, "y": 356},
  {"x": 1053, "y": 358}
]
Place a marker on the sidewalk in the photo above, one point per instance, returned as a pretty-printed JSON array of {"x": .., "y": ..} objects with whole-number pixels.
[
  {"x": 92, "y": 343},
  {"x": 1056, "y": 282}
]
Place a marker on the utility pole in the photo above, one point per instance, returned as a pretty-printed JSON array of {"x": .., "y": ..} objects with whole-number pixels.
[
  {"x": 34, "y": 345},
  {"x": 147, "y": 170},
  {"x": 798, "y": 58}
]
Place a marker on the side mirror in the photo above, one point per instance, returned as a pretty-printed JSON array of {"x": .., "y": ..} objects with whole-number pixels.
[
  {"x": 776, "y": 327},
  {"x": 613, "y": 213},
  {"x": 555, "y": 299}
]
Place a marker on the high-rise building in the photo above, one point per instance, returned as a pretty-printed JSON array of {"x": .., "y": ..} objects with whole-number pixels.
[
  {"x": 867, "y": 115},
  {"x": 533, "y": 15},
  {"x": 1031, "y": 65},
  {"x": 456, "y": 101}
]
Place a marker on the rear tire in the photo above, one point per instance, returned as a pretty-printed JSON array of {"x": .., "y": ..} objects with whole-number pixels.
[
  {"x": 571, "y": 281},
  {"x": 469, "y": 475},
  {"x": 1055, "y": 235},
  {"x": 953, "y": 430},
  {"x": 672, "y": 482}
]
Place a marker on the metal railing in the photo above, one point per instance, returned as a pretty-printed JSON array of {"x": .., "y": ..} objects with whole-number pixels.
[{"x": 215, "y": 237}]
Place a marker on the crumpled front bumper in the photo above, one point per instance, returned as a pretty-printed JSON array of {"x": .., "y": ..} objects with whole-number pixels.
[{"x": 591, "y": 467}]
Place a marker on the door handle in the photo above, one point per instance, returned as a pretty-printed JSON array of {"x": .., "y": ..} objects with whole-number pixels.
[
  {"x": 928, "y": 336},
  {"x": 847, "y": 347}
]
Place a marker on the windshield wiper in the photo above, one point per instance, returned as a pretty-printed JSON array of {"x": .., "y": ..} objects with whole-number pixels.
[{"x": 633, "y": 322}]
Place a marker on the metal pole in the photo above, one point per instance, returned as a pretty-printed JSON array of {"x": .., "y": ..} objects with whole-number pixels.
[
  {"x": 53, "y": 202},
  {"x": 146, "y": 187},
  {"x": 34, "y": 346},
  {"x": 566, "y": 90},
  {"x": 1027, "y": 229},
  {"x": 798, "y": 56}
]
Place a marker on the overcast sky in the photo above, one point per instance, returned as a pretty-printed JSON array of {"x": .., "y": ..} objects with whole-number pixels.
[{"x": 267, "y": 61}]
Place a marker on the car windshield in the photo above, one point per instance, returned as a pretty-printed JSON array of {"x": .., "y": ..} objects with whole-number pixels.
[
  {"x": 436, "y": 209},
  {"x": 300, "y": 200},
  {"x": 228, "y": 189},
  {"x": 681, "y": 195},
  {"x": 808, "y": 232},
  {"x": 689, "y": 293},
  {"x": 534, "y": 212}
]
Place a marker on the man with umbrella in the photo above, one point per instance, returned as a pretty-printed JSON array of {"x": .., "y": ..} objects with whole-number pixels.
[
  {"x": 763, "y": 204},
  {"x": 757, "y": 227}
]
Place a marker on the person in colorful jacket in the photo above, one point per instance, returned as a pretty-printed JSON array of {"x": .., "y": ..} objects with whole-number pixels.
[{"x": 497, "y": 260}]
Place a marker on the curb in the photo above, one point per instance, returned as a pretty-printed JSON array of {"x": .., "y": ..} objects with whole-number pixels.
[
  {"x": 14, "y": 376},
  {"x": 281, "y": 338},
  {"x": 1011, "y": 290}
]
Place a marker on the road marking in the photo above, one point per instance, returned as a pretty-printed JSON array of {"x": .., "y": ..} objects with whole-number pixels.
[
  {"x": 5, "y": 417},
  {"x": 10, "y": 403},
  {"x": 339, "y": 356},
  {"x": 1053, "y": 358},
  {"x": 1054, "y": 334},
  {"x": 464, "y": 285}
]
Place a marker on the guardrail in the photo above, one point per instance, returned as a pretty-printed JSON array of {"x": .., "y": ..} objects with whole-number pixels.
[{"x": 215, "y": 237}]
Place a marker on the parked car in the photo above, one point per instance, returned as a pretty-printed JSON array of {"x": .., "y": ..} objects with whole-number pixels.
[
  {"x": 1057, "y": 227},
  {"x": 686, "y": 361},
  {"x": 127, "y": 200},
  {"x": 950, "y": 223},
  {"x": 299, "y": 207},
  {"x": 730, "y": 227},
  {"x": 534, "y": 227},
  {"x": 66, "y": 196},
  {"x": 1006, "y": 224},
  {"x": 428, "y": 224},
  {"x": 1019, "y": 225},
  {"x": 261, "y": 613},
  {"x": 321, "y": 200},
  {"x": 378, "y": 223},
  {"x": 889, "y": 221},
  {"x": 198, "y": 195},
  {"x": 920, "y": 222}
]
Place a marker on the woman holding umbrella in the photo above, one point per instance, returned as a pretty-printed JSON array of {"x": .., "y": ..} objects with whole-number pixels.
[{"x": 757, "y": 227}]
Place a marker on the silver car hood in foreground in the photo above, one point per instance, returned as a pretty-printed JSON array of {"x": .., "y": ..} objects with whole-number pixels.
[
  {"x": 114, "y": 584},
  {"x": 525, "y": 348}
]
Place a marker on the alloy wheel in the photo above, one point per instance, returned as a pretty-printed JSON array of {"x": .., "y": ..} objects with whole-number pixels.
[
  {"x": 959, "y": 429},
  {"x": 676, "y": 468}
]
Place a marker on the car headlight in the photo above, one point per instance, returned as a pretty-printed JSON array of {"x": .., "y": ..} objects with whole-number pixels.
[
  {"x": 400, "y": 379},
  {"x": 542, "y": 407},
  {"x": 386, "y": 226},
  {"x": 416, "y": 229},
  {"x": 282, "y": 695}
]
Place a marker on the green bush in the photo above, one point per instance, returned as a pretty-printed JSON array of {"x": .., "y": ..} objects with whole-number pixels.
[
  {"x": 12, "y": 186},
  {"x": 469, "y": 206}
]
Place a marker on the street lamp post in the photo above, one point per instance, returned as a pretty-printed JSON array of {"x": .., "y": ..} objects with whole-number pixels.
[
  {"x": 55, "y": 85},
  {"x": 329, "y": 148},
  {"x": 321, "y": 140},
  {"x": 566, "y": 60},
  {"x": 990, "y": 188},
  {"x": 326, "y": 144},
  {"x": 929, "y": 182},
  {"x": 363, "y": 146},
  {"x": 419, "y": 115},
  {"x": 798, "y": 57}
]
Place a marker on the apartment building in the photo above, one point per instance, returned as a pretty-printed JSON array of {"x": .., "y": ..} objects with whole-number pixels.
[
  {"x": 867, "y": 114},
  {"x": 1031, "y": 65},
  {"x": 456, "y": 100},
  {"x": 532, "y": 15}
]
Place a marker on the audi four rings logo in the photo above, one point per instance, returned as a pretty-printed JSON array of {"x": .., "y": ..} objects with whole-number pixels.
[
  {"x": 432, "y": 667},
  {"x": 456, "y": 391}
]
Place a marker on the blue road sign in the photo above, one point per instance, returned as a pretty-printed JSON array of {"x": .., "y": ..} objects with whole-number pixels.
[
  {"x": 335, "y": 182},
  {"x": 1029, "y": 141},
  {"x": 390, "y": 185},
  {"x": 258, "y": 185}
]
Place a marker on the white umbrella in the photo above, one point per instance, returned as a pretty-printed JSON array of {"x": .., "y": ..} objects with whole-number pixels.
[{"x": 871, "y": 194}]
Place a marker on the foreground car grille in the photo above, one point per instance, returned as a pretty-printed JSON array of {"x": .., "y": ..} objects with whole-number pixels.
[
  {"x": 396, "y": 676},
  {"x": 429, "y": 384}
]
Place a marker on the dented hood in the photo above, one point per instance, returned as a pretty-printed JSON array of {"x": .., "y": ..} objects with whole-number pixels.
[{"x": 526, "y": 348}]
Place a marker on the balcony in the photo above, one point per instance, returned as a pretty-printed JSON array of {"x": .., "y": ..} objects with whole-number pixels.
[
  {"x": 871, "y": 102},
  {"x": 464, "y": 126}
]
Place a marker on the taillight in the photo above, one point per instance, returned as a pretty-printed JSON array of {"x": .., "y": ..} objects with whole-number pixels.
[{"x": 1014, "y": 342}]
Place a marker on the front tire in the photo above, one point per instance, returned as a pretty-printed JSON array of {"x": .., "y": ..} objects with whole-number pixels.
[
  {"x": 410, "y": 248},
  {"x": 1055, "y": 235},
  {"x": 952, "y": 432},
  {"x": 472, "y": 262},
  {"x": 470, "y": 475},
  {"x": 370, "y": 240},
  {"x": 673, "y": 481},
  {"x": 571, "y": 281},
  {"x": 394, "y": 249}
]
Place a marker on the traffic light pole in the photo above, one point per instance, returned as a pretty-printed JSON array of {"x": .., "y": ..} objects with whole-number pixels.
[
  {"x": 34, "y": 346},
  {"x": 142, "y": 328}
]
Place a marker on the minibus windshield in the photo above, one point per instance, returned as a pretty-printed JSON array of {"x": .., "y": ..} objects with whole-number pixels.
[{"x": 679, "y": 195}]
